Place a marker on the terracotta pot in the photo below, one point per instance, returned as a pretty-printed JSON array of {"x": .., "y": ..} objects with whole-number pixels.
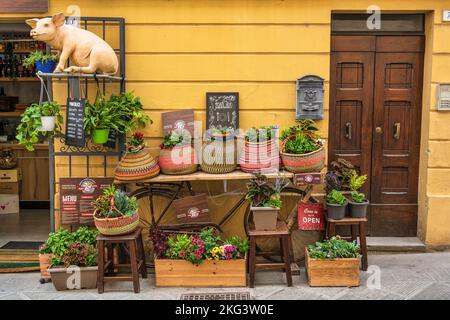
[
  {"x": 60, "y": 275},
  {"x": 265, "y": 218}
]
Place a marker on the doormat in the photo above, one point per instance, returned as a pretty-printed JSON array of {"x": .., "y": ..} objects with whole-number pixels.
[
  {"x": 216, "y": 296},
  {"x": 23, "y": 245}
]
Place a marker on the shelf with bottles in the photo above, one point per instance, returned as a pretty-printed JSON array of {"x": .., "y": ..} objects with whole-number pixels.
[
  {"x": 11, "y": 68},
  {"x": 20, "y": 43}
]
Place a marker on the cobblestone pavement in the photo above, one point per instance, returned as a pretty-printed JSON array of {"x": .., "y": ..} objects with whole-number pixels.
[{"x": 403, "y": 276}]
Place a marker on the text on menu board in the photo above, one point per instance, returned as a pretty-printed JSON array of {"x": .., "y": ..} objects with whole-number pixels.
[
  {"x": 75, "y": 135},
  {"x": 222, "y": 110}
]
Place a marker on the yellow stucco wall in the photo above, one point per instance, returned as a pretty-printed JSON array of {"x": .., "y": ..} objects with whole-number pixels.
[{"x": 179, "y": 49}]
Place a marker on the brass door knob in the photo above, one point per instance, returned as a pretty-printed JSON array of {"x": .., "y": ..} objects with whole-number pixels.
[{"x": 379, "y": 130}]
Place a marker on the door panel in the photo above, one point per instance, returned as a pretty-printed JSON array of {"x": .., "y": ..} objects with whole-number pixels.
[{"x": 375, "y": 111}]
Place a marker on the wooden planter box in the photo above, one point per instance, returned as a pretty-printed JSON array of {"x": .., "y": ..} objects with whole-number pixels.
[
  {"x": 332, "y": 273},
  {"x": 182, "y": 273}
]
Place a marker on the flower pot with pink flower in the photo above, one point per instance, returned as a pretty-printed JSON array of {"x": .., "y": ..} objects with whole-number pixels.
[{"x": 199, "y": 260}]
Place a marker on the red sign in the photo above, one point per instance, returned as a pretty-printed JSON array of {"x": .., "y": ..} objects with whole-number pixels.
[{"x": 310, "y": 216}]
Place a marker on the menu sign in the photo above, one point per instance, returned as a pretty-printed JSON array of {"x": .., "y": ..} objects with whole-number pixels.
[
  {"x": 75, "y": 135},
  {"x": 77, "y": 195},
  {"x": 222, "y": 110}
]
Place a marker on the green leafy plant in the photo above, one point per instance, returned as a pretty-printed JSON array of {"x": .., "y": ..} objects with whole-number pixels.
[
  {"x": 356, "y": 181},
  {"x": 336, "y": 197},
  {"x": 114, "y": 203},
  {"x": 301, "y": 138},
  {"x": 176, "y": 137},
  {"x": 334, "y": 248},
  {"x": 263, "y": 193},
  {"x": 99, "y": 115},
  {"x": 358, "y": 197},
  {"x": 28, "y": 131},
  {"x": 338, "y": 175},
  {"x": 36, "y": 56},
  {"x": 265, "y": 133},
  {"x": 77, "y": 254}
]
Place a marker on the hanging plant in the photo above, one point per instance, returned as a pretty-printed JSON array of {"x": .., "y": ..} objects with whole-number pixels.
[{"x": 37, "y": 121}]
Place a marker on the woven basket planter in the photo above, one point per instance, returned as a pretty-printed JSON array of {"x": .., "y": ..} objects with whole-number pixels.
[
  {"x": 302, "y": 163},
  {"x": 260, "y": 157},
  {"x": 117, "y": 226},
  {"x": 136, "y": 164},
  {"x": 219, "y": 157},
  {"x": 178, "y": 160}
]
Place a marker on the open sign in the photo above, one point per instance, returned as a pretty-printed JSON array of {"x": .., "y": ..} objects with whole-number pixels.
[{"x": 310, "y": 216}]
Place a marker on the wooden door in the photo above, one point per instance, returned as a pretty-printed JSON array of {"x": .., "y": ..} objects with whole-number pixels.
[{"x": 375, "y": 112}]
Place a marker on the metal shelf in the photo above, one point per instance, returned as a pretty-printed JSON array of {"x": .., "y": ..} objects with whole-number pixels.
[{"x": 79, "y": 75}]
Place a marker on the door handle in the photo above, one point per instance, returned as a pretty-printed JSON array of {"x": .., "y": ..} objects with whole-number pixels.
[
  {"x": 397, "y": 130},
  {"x": 348, "y": 131}
]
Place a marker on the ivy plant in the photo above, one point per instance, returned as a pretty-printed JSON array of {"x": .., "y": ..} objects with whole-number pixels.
[{"x": 28, "y": 131}]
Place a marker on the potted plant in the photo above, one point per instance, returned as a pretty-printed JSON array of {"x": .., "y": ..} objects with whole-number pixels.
[
  {"x": 336, "y": 205},
  {"x": 177, "y": 155},
  {"x": 199, "y": 260},
  {"x": 302, "y": 149},
  {"x": 45, "y": 63},
  {"x": 57, "y": 243},
  {"x": 219, "y": 153},
  {"x": 36, "y": 120},
  {"x": 357, "y": 203},
  {"x": 137, "y": 163},
  {"x": 121, "y": 113},
  {"x": 80, "y": 257},
  {"x": 260, "y": 153},
  {"x": 338, "y": 175},
  {"x": 333, "y": 263},
  {"x": 115, "y": 213},
  {"x": 265, "y": 201}
]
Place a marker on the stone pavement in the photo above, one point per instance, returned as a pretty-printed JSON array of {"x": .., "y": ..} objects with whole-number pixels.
[{"x": 403, "y": 276}]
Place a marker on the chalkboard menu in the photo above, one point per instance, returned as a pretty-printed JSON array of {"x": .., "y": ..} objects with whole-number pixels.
[
  {"x": 75, "y": 135},
  {"x": 222, "y": 110},
  {"x": 77, "y": 195},
  {"x": 111, "y": 143}
]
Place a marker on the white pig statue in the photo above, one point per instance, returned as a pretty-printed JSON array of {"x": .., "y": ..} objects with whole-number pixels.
[{"x": 88, "y": 52}]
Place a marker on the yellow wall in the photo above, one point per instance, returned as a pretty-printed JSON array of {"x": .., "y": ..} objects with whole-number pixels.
[{"x": 178, "y": 50}]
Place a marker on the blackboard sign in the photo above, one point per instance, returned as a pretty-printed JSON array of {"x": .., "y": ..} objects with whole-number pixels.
[
  {"x": 111, "y": 143},
  {"x": 75, "y": 135},
  {"x": 222, "y": 110},
  {"x": 77, "y": 195}
]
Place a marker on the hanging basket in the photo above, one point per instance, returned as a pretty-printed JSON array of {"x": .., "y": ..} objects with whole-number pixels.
[
  {"x": 259, "y": 157},
  {"x": 178, "y": 160},
  {"x": 219, "y": 156},
  {"x": 303, "y": 163},
  {"x": 116, "y": 226},
  {"x": 136, "y": 164}
]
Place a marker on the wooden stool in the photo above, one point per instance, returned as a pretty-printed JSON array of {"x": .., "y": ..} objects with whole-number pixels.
[
  {"x": 354, "y": 223},
  {"x": 284, "y": 235},
  {"x": 135, "y": 247}
]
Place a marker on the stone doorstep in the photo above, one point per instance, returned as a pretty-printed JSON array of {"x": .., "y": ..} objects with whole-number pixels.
[{"x": 395, "y": 244}]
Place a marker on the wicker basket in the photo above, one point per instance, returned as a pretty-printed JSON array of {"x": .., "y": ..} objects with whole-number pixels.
[
  {"x": 303, "y": 163},
  {"x": 117, "y": 226},
  {"x": 259, "y": 157},
  {"x": 219, "y": 157},
  {"x": 136, "y": 164},
  {"x": 178, "y": 160}
]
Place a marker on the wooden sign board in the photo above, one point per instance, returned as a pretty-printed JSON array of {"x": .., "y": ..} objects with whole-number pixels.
[
  {"x": 310, "y": 216},
  {"x": 77, "y": 195},
  {"x": 75, "y": 135},
  {"x": 111, "y": 143},
  {"x": 308, "y": 178},
  {"x": 23, "y": 6},
  {"x": 192, "y": 209},
  {"x": 181, "y": 119},
  {"x": 222, "y": 110}
]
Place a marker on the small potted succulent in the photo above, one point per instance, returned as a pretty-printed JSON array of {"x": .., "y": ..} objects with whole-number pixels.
[
  {"x": 260, "y": 153},
  {"x": 37, "y": 121},
  {"x": 177, "y": 156},
  {"x": 77, "y": 257},
  {"x": 44, "y": 62},
  {"x": 336, "y": 205},
  {"x": 302, "y": 149},
  {"x": 115, "y": 213},
  {"x": 265, "y": 201},
  {"x": 357, "y": 204}
]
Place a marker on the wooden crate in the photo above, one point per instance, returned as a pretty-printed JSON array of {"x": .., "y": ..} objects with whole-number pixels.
[
  {"x": 332, "y": 273},
  {"x": 182, "y": 273}
]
